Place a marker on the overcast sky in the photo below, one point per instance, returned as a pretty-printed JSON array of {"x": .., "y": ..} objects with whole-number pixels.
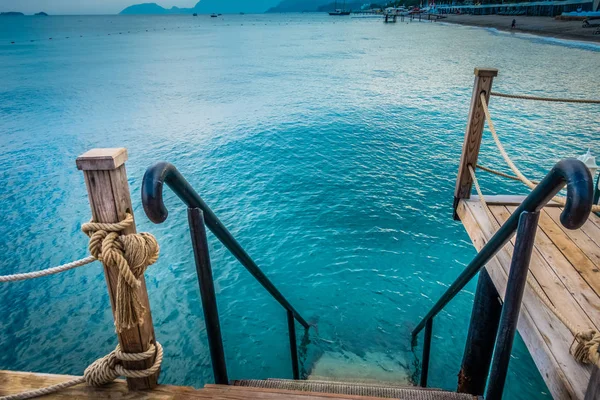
[{"x": 83, "y": 6}]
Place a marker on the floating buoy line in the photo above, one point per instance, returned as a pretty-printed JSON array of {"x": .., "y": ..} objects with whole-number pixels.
[{"x": 134, "y": 32}]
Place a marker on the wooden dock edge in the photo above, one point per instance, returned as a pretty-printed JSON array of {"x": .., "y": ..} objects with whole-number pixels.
[
  {"x": 546, "y": 338},
  {"x": 13, "y": 382}
]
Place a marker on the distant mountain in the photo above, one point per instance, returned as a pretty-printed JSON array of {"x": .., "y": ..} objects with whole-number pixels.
[
  {"x": 146, "y": 8},
  {"x": 42, "y": 14},
  {"x": 11, "y": 14},
  {"x": 206, "y": 7},
  {"x": 297, "y": 6}
]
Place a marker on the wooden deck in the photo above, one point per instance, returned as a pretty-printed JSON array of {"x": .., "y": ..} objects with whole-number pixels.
[
  {"x": 565, "y": 266},
  {"x": 17, "y": 382}
]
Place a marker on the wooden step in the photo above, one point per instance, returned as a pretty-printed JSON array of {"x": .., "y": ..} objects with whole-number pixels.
[
  {"x": 12, "y": 382},
  {"x": 354, "y": 390}
]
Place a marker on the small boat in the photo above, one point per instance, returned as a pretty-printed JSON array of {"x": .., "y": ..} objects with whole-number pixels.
[
  {"x": 195, "y": 14},
  {"x": 213, "y": 15},
  {"x": 340, "y": 11}
]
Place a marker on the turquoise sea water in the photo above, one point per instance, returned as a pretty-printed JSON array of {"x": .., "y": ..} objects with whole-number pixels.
[{"x": 329, "y": 147}]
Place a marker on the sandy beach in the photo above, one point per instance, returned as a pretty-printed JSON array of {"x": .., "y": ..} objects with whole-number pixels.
[{"x": 545, "y": 26}]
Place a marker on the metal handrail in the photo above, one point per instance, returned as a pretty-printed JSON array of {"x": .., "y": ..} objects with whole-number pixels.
[
  {"x": 580, "y": 192},
  {"x": 199, "y": 214},
  {"x": 571, "y": 172}
]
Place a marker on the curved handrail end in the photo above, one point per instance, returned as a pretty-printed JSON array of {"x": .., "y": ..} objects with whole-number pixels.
[
  {"x": 152, "y": 191},
  {"x": 580, "y": 192}
]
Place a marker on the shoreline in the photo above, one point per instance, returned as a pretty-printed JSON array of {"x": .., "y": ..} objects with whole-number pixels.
[{"x": 542, "y": 26}]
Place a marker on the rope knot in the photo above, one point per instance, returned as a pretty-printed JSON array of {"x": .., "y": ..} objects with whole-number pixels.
[
  {"x": 108, "y": 368},
  {"x": 585, "y": 347},
  {"x": 130, "y": 255}
]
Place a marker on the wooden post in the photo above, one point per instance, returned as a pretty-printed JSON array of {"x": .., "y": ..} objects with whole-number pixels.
[
  {"x": 481, "y": 338},
  {"x": 470, "y": 150},
  {"x": 108, "y": 193}
]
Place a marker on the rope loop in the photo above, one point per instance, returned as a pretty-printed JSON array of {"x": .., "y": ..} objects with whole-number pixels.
[
  {"x": 130, "y": 255},
  {"x": 585, "y": 347},
  {"x": 109, "y": 367},
  {"x": 102, "y": 371}
]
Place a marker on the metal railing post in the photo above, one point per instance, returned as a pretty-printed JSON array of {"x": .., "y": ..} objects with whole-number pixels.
[
  {"x": 517, "y": 279},
  {"x": 293, "y": 344},
  {"x": 426, "y": 352},
  {"x": 207, "y": 293},
  {"x": 597, "y": 191}
]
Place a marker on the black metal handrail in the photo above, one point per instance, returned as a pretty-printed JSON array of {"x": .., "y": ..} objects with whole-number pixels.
[
  {"x": 570, "y": 172},
  {"x": 200, "y": 214}
]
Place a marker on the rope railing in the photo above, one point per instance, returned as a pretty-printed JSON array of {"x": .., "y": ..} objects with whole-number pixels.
[
  {"x": 47, "y": 271},
  {"x": 500, "y": 173},
  {"x": 586, "y": 343},
  {"x": 507, "y": 159},
  {"x": 547, "y": 99},
  {"x": 130, "y": 255}
]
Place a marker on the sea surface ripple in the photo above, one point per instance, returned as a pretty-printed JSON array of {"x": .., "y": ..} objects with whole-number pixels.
[{"x": 329, "y": 147}]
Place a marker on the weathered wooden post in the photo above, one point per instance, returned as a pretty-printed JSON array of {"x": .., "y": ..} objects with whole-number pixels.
[
  {"x": 472, "y": 142},
  {"x": 108, "y": 193},
  {"x": 486, "y": 312}
]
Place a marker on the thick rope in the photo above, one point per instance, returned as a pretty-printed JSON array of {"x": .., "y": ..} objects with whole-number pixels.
[
  {"x": 103, "y": 371},
  {"x": 585, "y": 344},
  {"x": 130, "y": 255},
  {"x": 499, "y": 173},
  {"x": 550, "y": 99},
  {"x": 47, "y": 271},
  {"x": 513, "y": 167}
]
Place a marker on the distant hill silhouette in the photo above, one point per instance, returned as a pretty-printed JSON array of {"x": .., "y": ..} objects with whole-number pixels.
[
  {"x": 11, "y": 14},
  {"x": 205, "y": 7},
  {"x": 146, "y": 8}
]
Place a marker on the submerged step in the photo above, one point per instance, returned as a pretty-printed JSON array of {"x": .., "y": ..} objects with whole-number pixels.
[
  {"x": 355, "y": 389},
  {"x": 370, "y": 367}
]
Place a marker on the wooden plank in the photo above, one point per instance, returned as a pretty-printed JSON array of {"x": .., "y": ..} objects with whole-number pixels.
[
  {"x": 545, "y": 337},
  {"x": 545, "y": 278},
  {"x": 553, "y": 272},
  {"x": 595, "y": 219},
  {"x": 510, "y": 200},
  {"x": 244, "y": 392},
  {"x": 592, "y": 230},
  {"x": 473, "y": 133},
  {"x": 580, "y": 261},
  {"x": 110, "y": 201},
  {"x": 12, "y": 382},
  {"x": 585, "y": 243},
  {"x": 102, "y": 159},
  {"x": 557, "y": 336}
]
